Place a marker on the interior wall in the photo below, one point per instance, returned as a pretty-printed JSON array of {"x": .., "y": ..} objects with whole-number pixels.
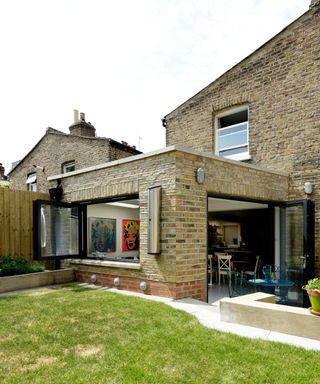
[
  {"x": 225, "y": 232},
  {"x": 119, "y": 213},
  {"x": 257, "y": 231}
]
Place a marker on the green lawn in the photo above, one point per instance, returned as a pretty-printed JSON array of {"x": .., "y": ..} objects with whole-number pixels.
[{"x": 79, "y": 335}]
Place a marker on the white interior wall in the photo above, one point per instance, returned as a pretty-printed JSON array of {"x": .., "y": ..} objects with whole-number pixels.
[{"x": 119, "y": 213}]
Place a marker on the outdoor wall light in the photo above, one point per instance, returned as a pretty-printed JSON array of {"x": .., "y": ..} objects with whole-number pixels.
[
  {"x": 39, "y": 167},
  {"x": 93, "y": 278},
  {"x": 116, "y": 281},
  {"x": 154, "y": 214},
  {"x": 143, "y": 285},
  {"x": 308, "y": 188},
  {"x": 200, "y": 175}
]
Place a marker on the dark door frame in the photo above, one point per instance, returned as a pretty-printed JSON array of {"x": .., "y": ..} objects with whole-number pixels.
[
  {"x": 82, "y": 227},
  {"x": 309, "y": 224},
  {"x": 37, "y": 204},
  {"x": 308, "y": 257}
]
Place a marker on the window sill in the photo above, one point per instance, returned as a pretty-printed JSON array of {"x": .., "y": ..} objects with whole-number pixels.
[
  {"x": 248, "y": 157},
  {"x": 106, "y": 263},
  {"x": 239, "y": 157}
]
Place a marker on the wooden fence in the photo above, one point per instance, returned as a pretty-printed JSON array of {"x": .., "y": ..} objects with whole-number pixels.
[{"x": 16, "y": 222}]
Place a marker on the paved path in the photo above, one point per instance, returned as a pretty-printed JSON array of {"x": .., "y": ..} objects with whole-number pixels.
[{"x": 209, "y": 316}]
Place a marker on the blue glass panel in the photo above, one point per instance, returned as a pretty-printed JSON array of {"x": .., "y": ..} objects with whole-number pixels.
[{"x": 233, "y": 136}]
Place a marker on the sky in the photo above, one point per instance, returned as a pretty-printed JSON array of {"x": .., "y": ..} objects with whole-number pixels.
[{"x": 124, "y": 63}]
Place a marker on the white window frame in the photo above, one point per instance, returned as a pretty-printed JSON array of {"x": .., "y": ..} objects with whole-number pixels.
[
  {"x": 32, "y": 182},
  {"x": 239, "y": 156},
  {"x": 68, "y": 164}
]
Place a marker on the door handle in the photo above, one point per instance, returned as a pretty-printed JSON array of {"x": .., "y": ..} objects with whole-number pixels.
[
  {"x": 43, "y": 229},
  {"x": 304, "y": 261}
]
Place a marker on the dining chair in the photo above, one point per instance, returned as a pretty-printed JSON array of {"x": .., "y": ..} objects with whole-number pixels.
[
  {"x": 224, "y": 266},
  {"x": 211, "y": 269},
  {"x": 255, "y": 273}
]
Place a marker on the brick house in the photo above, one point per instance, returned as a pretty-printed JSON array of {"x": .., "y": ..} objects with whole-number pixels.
[
  {"x": 4, "y": 183},
  {"x": 264, "y": 111},
  {"x": 242, "y": 158},
  {"x": 58, "y": 152}
]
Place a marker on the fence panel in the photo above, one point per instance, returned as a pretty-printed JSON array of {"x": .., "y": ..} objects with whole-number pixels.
[{"x": 16, "y": 222}]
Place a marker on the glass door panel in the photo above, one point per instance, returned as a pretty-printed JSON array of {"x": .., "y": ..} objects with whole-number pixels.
[
  {"x": 57, "y": 230},
  {"x": 296, "y": 248}
]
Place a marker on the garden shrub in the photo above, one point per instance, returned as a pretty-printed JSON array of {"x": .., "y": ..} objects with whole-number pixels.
[{"x": 17, "y": 266}]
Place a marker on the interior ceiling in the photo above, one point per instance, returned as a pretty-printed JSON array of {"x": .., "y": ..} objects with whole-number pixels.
[
  {"x": 132, "y": 201},
  {"x": 220, "y": 205},
  {"x": 224, "y": 205}
]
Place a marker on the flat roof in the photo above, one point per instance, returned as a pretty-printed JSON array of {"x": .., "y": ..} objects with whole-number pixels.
[{"x": 173, "y": 148}]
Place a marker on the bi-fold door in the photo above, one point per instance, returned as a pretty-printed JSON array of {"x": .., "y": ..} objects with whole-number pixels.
[
  {"x": 297, "y": 247},
  {"x": 58, "y": 230}
]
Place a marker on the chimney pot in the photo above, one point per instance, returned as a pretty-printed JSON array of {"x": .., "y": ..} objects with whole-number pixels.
[{"x": 75, "y": 116}]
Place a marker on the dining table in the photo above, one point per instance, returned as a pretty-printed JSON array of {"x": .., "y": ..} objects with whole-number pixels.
[{"x": 278, "y": 287}]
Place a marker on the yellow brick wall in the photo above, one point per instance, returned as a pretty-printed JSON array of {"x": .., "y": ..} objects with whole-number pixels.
[
  {"x": 55, "y": 149},
  {"x": 182, "y": 264}
]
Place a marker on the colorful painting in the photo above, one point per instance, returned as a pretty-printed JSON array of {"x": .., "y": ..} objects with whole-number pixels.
[
  {"x": 102, "y": 235},
  {"x": 130, "y": 235}
]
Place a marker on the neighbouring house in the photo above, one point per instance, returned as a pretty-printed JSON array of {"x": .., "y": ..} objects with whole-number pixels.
[
  {"x": 58, "y": 152},
  {"x": 4, "y": 183},
  {"x": 240, "y": 173}
]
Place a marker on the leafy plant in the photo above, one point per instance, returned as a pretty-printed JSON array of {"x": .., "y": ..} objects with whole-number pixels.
[
  {"x": 17, "y": 266},
  {"x": 35, "y": 266},
  {"x": 313, "y": 284}
]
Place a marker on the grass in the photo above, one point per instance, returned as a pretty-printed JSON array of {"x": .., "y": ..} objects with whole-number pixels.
[{"x": 79, "y": 335}]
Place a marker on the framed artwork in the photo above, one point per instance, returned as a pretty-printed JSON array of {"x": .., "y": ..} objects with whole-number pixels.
[
  {"x": 130, "y": 235},
  {"x": 102, "y": 235}
]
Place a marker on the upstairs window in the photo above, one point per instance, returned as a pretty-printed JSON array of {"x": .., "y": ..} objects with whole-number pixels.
[
  {"x": 232, "y": 134},
  {"x": 68, "y": 167},
  {"x": 32, "y": 182}
]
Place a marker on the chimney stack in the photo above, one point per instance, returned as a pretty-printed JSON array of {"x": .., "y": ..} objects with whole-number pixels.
[
  {"x": 1, "y": 172},
  {"x": 80, "y": 127},
  {"x": 314, "y": 3}
]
